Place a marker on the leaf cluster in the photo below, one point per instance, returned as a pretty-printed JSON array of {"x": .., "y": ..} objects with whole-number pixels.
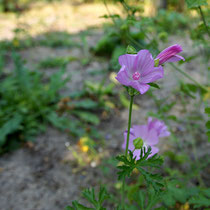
[
  {"x": 130, "y": 163},
  {"x": 89, "y": 195},
  {"x": 26, "y": 101}
]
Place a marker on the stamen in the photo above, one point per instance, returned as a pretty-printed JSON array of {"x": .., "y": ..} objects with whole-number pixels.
[{"x": 136, "y": 75}]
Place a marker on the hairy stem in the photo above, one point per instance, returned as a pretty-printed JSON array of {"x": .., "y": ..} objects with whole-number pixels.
[{"x": 127, "y": 144}]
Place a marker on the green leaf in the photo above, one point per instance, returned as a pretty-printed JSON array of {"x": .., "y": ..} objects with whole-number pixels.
[
  {"x": 208, "y": 124},
  {"x": 78, "y": 206},
  {"x": 130, "y": 163},
  {"x": 69, "y": 208},
  {"x": 84, "y": 104},
  {"x": 131, "y": 50},
  {"x": 200, "y": 201},
  {"x": 89, "y": 194},
  {"x": 195, "y": 3},
  {"x": 207, "y": 110},
  {"x": 64, "y": 123},
  {"x": 188, "y": 89},
  {"x": 87, "y": 117},
  {"x": 154, "y": 85},
  {"x": 103, "y": 195},
  {"x": 9, "y": 127}
]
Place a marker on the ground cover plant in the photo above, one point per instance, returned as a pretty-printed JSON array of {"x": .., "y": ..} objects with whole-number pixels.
[{"x": 119, "y": 111}]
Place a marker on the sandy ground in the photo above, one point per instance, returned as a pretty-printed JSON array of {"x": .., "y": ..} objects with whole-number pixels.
[{"x": 42, "y": 176}]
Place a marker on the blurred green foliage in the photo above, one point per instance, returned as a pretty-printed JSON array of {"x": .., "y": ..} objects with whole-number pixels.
[{"x": 26, "y": 101}]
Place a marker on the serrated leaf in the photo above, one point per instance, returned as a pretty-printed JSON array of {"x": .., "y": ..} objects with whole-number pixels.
[
  {"x": 130, "y": 163},
  {"x": 78, "y": 206},
  {"x": 89, "y": 194},
  {"x": 103, "y": 195}
]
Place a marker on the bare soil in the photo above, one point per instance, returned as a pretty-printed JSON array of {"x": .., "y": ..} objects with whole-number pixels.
[{"x": 42, "y": 175}]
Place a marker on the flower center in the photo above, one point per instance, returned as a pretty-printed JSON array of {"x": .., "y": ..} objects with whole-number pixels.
[{"x": 136, "y": 75}]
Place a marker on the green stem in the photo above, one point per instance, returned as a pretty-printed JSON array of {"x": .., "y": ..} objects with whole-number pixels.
[
  {"x": 126, "y": 149},
  {"x": 188, "y": 76},
  {"x": 129, "y": 125},
  {"x": 204, "y": 21}
]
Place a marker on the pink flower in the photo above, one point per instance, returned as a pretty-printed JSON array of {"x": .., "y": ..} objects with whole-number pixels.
[
  {"x": 149, "y": 133},
  {"x": 159, "y": 126},
  {"x": 170, "y": 54},
  {"x": 137, "y": 70}
]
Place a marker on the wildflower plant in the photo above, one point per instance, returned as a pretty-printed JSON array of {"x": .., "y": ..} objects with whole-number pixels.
[{"x": 139, "y": 71}]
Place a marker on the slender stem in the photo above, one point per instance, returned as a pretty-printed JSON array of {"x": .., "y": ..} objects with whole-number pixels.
[
  {"x": 204, "y": 21},
  {"x": 188, "y": 76},
  {"x": 126, "y": 149},
  {"x": 129, "y": 125}
]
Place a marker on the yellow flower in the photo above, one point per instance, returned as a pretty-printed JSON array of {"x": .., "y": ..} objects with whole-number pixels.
[{"x": 83, "y": 144}]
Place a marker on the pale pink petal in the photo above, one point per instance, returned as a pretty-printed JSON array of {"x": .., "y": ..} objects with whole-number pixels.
[
  {"x": 131, "y": 138},
  {"x": 154, "y": 75},
  {"x": 140, "y": 131},
  {"x": 123, "y": 77},
  {"x": 154, "y": 151},
  {"x": 144, "y": 62},
  {"x": 142, "y": 88},
  {"x": 136, "y": 154},
  {"x": 152, "y": 137},
  {"x": 164, "y": 133},
  {"x": 128, "y": 61}
]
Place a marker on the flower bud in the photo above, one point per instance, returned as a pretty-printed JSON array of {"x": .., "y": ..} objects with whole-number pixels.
[{"x": 138, "y": 143}]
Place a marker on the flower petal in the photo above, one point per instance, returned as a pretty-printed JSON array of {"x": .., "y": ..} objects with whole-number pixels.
[
  {"x": 123, "y": 77},
  {"x": 154, "y": 75},
  {"x": 140, "y": 131},
  {"x": 164, "y": 133},
  {"x": 152, "y": 137},
  {"x": 154, "y": 151},
  {"x": 144, "y": 62},
  {"x": 168, "y": 53},
  {"x": 131, "y": 138},
  {"x": 128, "y": 61},
  {"x": 136, "y": 154},
  {"x": 175, "y": 58},
  {"x": 142, "y": 88}
]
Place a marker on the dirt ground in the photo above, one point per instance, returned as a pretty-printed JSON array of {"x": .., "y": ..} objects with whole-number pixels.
[{"x": 41, "y": 176}]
